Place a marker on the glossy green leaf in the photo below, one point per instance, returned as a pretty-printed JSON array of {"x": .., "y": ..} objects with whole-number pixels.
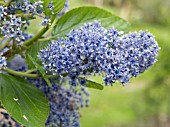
[
  {"x": 92, "y": 84},
  {"x": 57, "y": 4},
  {"x": 23, "y": 101},
  {"x": 40, "y": 68},
  {"x": 33, "y": 52},
  {"x": 77, "y": 17}
]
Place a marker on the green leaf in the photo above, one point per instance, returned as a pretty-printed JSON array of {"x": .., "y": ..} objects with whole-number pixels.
[
  {"x": 116, "y": 22},
  {"x": 33, "y": 52},
  {"x": 23, "y": 101},
  {"x": 77, "y": 17},
  {"x": 58, "y": 6},
  {"x": 92, "y": 84},
  {"x": 40, "y": 68},
  {"x": 95, "y": 85}
]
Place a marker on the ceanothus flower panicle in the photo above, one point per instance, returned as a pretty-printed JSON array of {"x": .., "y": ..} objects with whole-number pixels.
[
  {"x": 94, "y": 49},
  {"x": 13, "y": 25},
  {"x": 12, "y": 28},
  {"x": 65, "y": 103}
]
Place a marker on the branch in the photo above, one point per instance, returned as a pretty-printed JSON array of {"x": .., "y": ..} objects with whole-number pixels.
[{"x": 25, "y": 74}]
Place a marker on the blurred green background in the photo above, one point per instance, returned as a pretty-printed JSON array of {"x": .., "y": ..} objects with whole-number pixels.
[{"x": 145, "y": 101}]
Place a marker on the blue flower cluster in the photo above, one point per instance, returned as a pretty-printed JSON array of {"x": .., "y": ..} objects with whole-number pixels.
[
  {"x": 12, "y": 24},
  {"x": 65, "y": 103},
  {"x": 3, "y": 62},
  {"x": 93, "y": 49},
  {"x": 12, "y": 29}
]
